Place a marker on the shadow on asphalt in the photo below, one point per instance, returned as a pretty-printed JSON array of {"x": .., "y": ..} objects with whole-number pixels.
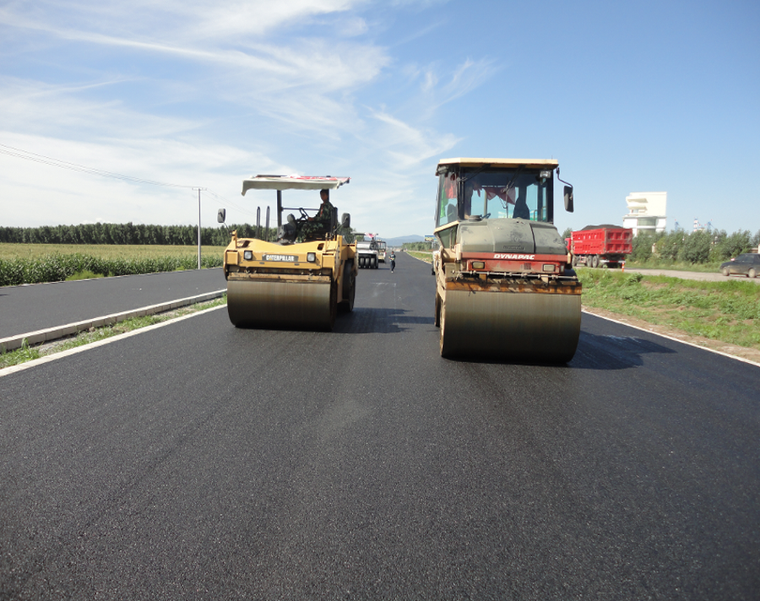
[
  {"x": 378, "y": 321},
  {"x": 594, "y": 352},
  {"x": 599, "y": 352}
]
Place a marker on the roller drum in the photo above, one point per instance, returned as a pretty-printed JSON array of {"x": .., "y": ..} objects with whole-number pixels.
[
  {"x": 520, "y": 326},
  {"x": 297, "y": 305}
]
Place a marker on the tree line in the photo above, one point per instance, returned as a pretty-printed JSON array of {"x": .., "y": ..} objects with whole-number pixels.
[
  {"x": 128, "y": 233},
  {"x": 419, "y": 246},
  {"x": 680, "y": 246}
]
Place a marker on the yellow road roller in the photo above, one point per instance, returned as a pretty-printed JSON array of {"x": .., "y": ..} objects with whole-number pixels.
[
  {"x": 305, "y": 276},
  {"x": 505, "y": 286}
]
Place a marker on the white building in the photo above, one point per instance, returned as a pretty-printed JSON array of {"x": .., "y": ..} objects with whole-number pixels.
[{"x": 646, "y": 212}]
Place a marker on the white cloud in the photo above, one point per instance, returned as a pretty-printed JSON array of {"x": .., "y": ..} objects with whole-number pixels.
[
  {"x": 464, "y": 79},
  {"x": 430, "y": 81},
  {"x": 183, "y": 20},
  {"x": 201, "y": 94},
  {"x": 409, "y": 146}
]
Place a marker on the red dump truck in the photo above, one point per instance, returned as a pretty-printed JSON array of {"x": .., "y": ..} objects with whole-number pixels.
[{"x": 599, "y": 245}]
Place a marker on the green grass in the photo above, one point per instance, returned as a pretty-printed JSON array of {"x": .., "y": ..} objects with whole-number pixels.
[
  {"x": 84, "y": 275},
  {"x": 27, "y": 353},
  {"x": 22, "y": 355},
  {"x": 725, "y": 311}
]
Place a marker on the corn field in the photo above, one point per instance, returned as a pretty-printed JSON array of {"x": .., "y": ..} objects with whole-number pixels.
[{"x": 58, "y": 267}]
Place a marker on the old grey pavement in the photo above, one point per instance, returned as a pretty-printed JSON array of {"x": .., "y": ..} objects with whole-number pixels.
[{"x": 36, "y": 307}]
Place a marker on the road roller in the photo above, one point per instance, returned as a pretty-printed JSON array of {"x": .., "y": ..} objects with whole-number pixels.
[
  {"x": 368, "y": 253},
  {"x": 305, "y": 276},
  {"x": 505, "y": 286}
]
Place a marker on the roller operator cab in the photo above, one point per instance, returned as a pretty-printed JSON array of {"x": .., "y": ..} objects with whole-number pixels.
[
  {"x": 505, "y": 287},
  {"x": 304, "y": 277}
]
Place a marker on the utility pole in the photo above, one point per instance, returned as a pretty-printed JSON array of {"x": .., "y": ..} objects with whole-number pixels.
[{"x": 199, "y": 225}]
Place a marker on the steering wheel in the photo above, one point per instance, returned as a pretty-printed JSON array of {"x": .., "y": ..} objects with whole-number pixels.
[{"x": 304, "y": 215}]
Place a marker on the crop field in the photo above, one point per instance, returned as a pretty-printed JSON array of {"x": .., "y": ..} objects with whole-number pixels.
[
  {"x": 37, "y": 263},
  {"x": 105, "y": 251}
]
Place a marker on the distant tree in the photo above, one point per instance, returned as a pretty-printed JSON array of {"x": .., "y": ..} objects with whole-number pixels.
[
  {"x": 726, "y": 246},
  {"x": 669, "y": 245},
  {"x": 641, "y": 246},
  {"x": 755, "y": 241},
  {"x": 421, "y": 246},
  {"x": 696, "y": 247}
]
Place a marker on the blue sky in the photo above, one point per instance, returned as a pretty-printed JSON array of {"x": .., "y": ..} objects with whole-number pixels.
[{"x": 628, "y": 96}]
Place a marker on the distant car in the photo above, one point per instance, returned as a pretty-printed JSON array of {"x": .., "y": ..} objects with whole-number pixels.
[{"x": 745, "y": 264}]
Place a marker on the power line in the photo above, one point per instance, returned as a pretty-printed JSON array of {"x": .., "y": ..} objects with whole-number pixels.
[
  {"x": 45, "y": 160},
  {"x": 227, "y": 202},
  {"x": 39, "y": 158}
]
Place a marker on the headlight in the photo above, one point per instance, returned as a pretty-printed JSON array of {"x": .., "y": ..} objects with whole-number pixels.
[
  {"x": 248, "y": 255},
  {"x": 478, "y": 264},
  {"x": 550, "y": 268},
  {"x": 311, "y": 257}
]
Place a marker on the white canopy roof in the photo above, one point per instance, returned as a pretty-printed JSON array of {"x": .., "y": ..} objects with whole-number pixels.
[
  {"x": 293, "y": 182},
  {"x": 529, "y": 163}
]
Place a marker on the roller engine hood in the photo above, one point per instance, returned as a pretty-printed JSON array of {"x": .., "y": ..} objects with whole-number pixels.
[{"x": 508, "y": 235}]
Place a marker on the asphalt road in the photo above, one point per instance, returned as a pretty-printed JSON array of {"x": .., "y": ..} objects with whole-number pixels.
[
  {"x": 199, "y": 461},
  {"x": 29, "y": 308}
]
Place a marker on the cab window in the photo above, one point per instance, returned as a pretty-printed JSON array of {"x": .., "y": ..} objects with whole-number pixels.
[{"x": 447, "y": 199}]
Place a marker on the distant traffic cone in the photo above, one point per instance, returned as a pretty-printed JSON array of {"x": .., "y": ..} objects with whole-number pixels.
[{"x": 623, "y": 266}]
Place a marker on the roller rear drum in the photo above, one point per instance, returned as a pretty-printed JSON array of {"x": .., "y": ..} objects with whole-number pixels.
[
  {"x": 276, "y": 304},
  {"x": 524, "y": 326}
]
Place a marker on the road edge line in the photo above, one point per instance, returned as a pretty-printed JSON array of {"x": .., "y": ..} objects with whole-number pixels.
[{"x": 673, "y": 338}]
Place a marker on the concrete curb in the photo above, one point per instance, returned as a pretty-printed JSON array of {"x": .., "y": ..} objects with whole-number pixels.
[{"x": 38, "y": 337}]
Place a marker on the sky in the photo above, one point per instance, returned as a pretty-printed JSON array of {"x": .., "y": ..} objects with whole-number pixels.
[{"x": 115, "y": 111}]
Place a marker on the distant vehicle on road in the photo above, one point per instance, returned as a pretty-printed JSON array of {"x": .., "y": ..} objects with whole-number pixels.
[
  {"x": 601, "y": 245},
  {"x": 382, "y": 250},
  {"x": 745, "y": 264}
]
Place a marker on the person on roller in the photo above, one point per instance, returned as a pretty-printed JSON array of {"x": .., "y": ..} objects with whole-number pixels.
[{"x": 321, "y": 222}]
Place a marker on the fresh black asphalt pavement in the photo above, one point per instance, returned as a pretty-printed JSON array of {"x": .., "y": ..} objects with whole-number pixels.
[{"x": 201, "y": 461}]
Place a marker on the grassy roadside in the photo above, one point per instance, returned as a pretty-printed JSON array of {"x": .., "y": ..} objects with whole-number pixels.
[
  {"x": 422, "y": 256},
  {"x": 727, "y": 311},
  {"x": 27, "y": 353}
]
